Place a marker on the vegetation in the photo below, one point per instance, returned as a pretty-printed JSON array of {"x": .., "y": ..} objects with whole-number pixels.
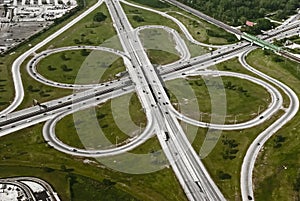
[
  {"x": 238, "y": 92},
  {"x": 237, "y": 12},
  {"x": 138, "y": 18},
  {"x": 83, "y": 188},
  {"x": 225, "y": 160},
  {"x": 203, "y": 31},
  {"x": 159, "y": 57},
  {"x": 94, "y": 29},
  {"x": 36, "y": 90},
  {"x": 24, "y": 153},
  {"x": 99, "y": 17},
  {"x": 261, "y": 24},
  {"x": 152, "y": 3},
  {"x": 197, "y": 27},
  {"x": 277, "y": 167},
  {"x": 64, "y": 66},
  {"x": 149, "y": 17},
  {"x": 6, "y": 60},
  {"x": 67, "y": 129}
]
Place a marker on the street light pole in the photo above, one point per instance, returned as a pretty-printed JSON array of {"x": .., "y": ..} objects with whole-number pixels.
[{"x": 117, "y": 139}]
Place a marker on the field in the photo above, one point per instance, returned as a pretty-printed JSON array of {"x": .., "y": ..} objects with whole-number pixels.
[
  {"x": 88, "y": 32},
  {"x": 25, "y": 153},
  {"x": 64, "y": 67},
  {"x": 199, "y": 29},
  {"x": 74, "y": 130},
  {"x": 203, "y": 31},
  {"x": 278, "y": 163},
  {"x": 238, "y": 92},
  {"x": 6, "y": 61}
]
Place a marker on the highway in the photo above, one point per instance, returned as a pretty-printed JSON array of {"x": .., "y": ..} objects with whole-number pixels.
[
  {"x": 19, "y": 91},
  {"x": 258, "y": 143},
  {"x": 205, "y": 17},
  {"x": 147, "y": 82},
  {"x": 176, "y": 21},
  {"x": 32, "y": 64},
  {"x": 274, "y": 106},
  {"x": 188, "y": 168},
  {"x": 19, "y": 181}
]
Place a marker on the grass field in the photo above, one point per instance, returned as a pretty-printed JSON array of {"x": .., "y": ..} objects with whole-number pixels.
[
  {"x": 89, "y": 32},
  {"x": 235, "y": 66},
  {"x": 238, "y": 92},
  {"x": 154, "y": 3},
  {"x": 279, "y": 162},
  {"x": 160, "y": 46},
  {"x": 159, "y": 57},
  {"x": 64, "y": 66},
  {"x": 199, "y": 29},
  {"x": 74, "y": 130},
  {"x": 225, "y": 160},
  {"x": 25, "y": 153},
  {"x": 147, "y": 18},
  {"x": 203, "y": 31},
  {"x": 6, "y": 61},
  {"x": 150, "y": 18},
  {"x": 36, "y": 90}
]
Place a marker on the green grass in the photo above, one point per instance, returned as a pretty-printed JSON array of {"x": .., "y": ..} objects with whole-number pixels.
[
  {"x": 159, "y": 57},
  {"x": 64, "y": 66},
  {"x": 149, "y": 17},
  {"x": 89, "y": 189},
  {"x": 269, "y": 166},
  {"x": 81, "y": 133},
  {"x": 88, "y": 32},
  {"x": 36, "y": 90},
  {"x": 203, "y": 31},
  {"x": 193, "y": 24},
  {"x": 154, "y": 3},
  {"x": 24, "y": 153},
  {"x": 234, "y": 65},
  {"x": 160, "y": 46},
  {"x": 225, "y": 158},
  {"x": 6, "y": 85},
  {"x": 238, "y": 92},
  {"x": 7, "y": 93}
]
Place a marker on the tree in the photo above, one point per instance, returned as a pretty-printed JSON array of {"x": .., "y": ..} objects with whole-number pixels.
[
  {"x": 99, "y": 17},
  {"x": 84, "y": 52},
  {"x": 138, "y": 18},
  {"x": 224, "y": 176}
]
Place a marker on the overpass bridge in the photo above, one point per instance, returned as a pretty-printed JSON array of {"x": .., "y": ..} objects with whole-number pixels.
[{"x": 262, "y": 43}]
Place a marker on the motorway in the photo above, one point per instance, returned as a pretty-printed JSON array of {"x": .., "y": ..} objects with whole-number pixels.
[
  {"x": 19, "y": 91},
  {"x": 188, "y": 168},
  {"x": 20, "y": 182},
  {"x": 162, "y": 117},
  {"x": 258, "y": 143}
]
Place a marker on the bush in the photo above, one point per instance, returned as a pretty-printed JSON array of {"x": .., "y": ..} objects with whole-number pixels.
[
  {"x": 99, "y": 17},
  {"x": 223, "y": 176},
  {"x": 84, "y": 52},
  {"x": 138, "y": 18}
]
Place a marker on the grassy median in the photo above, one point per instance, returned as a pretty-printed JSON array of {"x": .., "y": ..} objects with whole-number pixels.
[{"x": 278, "y": 163}]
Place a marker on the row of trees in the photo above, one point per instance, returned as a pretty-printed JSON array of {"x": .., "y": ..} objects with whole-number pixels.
[{"x": 236, "y": 12}]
